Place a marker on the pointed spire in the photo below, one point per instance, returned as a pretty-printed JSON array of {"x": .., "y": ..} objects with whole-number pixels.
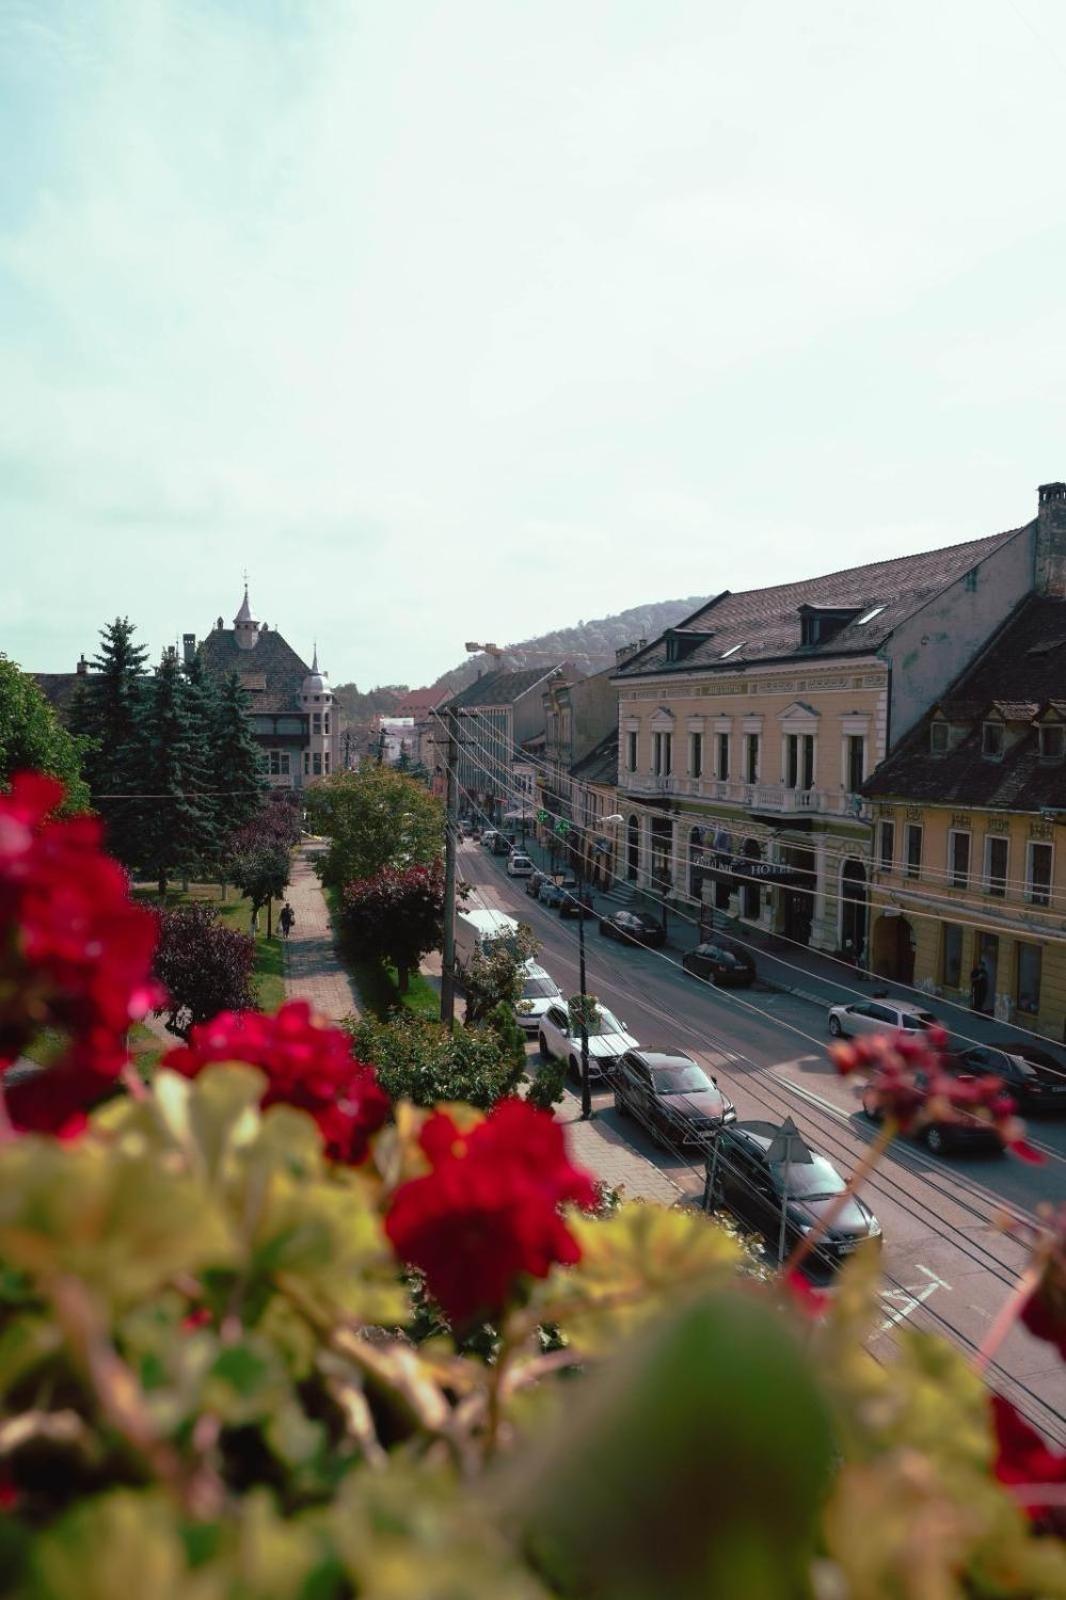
[
  {"x": 245, "y": 613},
  {"x": 314, "y": 660}
]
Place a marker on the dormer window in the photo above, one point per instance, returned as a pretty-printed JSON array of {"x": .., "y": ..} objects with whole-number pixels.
[
  {"x": 938, "y": 738},
  {"x": 1052, "y": 742},
  {"x": 819, "y": 623},
  {"x": 992, "y": 741},
  {"x": 680, "y": 643}
]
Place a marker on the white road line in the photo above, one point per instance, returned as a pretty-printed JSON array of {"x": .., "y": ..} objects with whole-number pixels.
[{"x": 909, "y": 1297}]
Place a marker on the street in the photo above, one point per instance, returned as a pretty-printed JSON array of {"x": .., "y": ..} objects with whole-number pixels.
[{"x": 947, "y": 1264}]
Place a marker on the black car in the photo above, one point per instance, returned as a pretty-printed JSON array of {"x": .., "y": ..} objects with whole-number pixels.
[
  {"x": 1033, "y": 1076},
  {"x": 968, "y": 1133},
  {"x": 760, "y": 1170},
  {"x": 534, "y": 881},
  {"x": 570, "y": 905},
  {"x": 721, "y": 962},
  {"x": 557, "y": 888},
  {"x": 633, "y": 927},
  {"x": 503, "y": 844},
  {"x": 671, "y": 1094}
]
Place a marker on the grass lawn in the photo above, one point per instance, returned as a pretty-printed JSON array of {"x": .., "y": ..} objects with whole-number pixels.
[
  {"x": 376, "y": 985},
  {"x": 236, "y": 912}
]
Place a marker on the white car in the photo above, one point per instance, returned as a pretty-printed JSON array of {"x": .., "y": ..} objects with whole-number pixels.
[
  {"x": 487, "y": 837},
  {"x": 608, "y": 1040},
  {"x": 519, "y": 866},
  {"x": 878, "y": 1016},
  {"x": 539, "y": 991}
]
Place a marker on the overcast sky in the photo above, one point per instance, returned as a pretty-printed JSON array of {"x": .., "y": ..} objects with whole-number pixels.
[{"x": 468, "y": 320}]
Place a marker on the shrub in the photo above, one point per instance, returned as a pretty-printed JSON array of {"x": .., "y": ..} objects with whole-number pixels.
[{"x": 204, "y": 967}]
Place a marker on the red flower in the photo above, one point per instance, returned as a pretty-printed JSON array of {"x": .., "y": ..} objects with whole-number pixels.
[
  {"x": 76, "y": 953},
  {"x": 805, "y": 1297},
  {"x": 1044, "y": 1313},
  {"x": 488, "y": 1213},
  {"x": 1026, "y": 1462},
  {"x": 307, "y": 1065},
  {"x": 911, "y": 1083}
]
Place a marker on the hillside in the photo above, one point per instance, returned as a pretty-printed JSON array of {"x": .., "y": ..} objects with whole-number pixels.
[{"x": 590, "y": 645}]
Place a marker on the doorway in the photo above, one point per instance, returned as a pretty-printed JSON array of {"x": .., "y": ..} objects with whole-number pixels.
[
  {"x": 893, "y": 949},
  {"x": 853, "y": 911}
]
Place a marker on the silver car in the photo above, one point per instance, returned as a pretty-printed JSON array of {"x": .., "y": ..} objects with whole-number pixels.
[
  {"x": 878, "y": 1016},
  {"x": 539, "y": 991}
]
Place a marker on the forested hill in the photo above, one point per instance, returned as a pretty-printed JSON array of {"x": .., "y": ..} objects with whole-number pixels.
[{"x": 590, "y": 645}]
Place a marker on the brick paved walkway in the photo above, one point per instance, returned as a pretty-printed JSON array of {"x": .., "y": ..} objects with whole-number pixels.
[
  {"x": 603, "y": 1150},
  {"x": 312, "y": 970}
]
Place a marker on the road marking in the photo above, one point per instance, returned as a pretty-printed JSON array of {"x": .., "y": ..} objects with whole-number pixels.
[
  {"x": 815, "y": 1099},
  {"x": 908, "y": 1297}
]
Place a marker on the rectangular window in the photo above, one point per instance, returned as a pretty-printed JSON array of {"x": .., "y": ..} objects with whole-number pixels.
[
  {"x": 662, "y": 754},
  {"x": 938, "y": 738},
  {"x": 316, "y": 722},
  {"x": 695, "y": 754},
  {"x": 799, "y": 761},
  {"x": 959, "y": 858},
  {"x": 1027, "y": 989},
  {"x": 751, "y": 757},
  {"x": 325, "y": 761},
  {"x": 914, "y": 849},
  {"x": 992, "y": 740},
  {"x": 951, "y": 955},
  {"x": 307, "y": 763},
  {"x": 279, "y": 763},
  {"x": 1052, "y": 743},
  {"x": 887, "y": 850},
  {"x": 1038, "y": 874},
  {"x": 631, "y": 751},
  {"x": 856, "y": 762},
  {"x": 722, "y": 767},
  {"x": 792, "y": 760},
  {"x": 668, "y": 753},
  {"x": 325, "y": 722},
  {"x": 996, "y": 851},
  {"x": 808, "y": 760},
  {"x": 316, "y": 764}
]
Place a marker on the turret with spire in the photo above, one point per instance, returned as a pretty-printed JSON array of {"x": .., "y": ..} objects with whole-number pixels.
[{"x": 245, "y": 627}]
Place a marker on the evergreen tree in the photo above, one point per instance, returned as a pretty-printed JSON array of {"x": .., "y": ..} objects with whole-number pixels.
[
  {"x": 105, "y": 715},
  {"x": 172, "y": 823},
  {"x": 235, "y": 759}
]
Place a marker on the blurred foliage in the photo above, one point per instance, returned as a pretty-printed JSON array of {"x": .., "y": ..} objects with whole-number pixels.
[{"x": 216, "y": 1384}]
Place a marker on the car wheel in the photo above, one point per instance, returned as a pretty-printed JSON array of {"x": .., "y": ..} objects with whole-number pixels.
[
  {"x": 543, "y": 1043},
  {"x": 835, "y": 1028},
  {"x": 934, "y": 1140},
  {"x": 620, "y": 1105}
]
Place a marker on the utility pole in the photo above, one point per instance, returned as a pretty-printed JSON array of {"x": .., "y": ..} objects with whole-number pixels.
[
  {"x": 586, "y": 1086},
  {"x": 451, "y": 831},
  {"x": 381, "y": 745}
]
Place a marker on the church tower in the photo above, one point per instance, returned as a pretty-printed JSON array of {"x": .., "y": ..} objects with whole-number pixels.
[
  {"x": 316, "y": 701},
  {"x": 245, "y": 627}
]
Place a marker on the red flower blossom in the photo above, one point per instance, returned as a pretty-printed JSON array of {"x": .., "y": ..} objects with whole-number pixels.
[
  {"x": 1026, "y": 1462},
  {"x": 911, "y": 1082},
  {"x": 307, "y": 1066},
  {"x": 812, "y": 1302},
  {"x": 488, "y": 1213},
  {"x": 75, "y": 954},
  {"x": 1044, "y": 1313}
]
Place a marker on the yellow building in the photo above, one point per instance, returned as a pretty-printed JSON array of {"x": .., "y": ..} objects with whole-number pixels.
[
  {"x": 970, "y": 811},
  {"x": 747, "y": 733}
]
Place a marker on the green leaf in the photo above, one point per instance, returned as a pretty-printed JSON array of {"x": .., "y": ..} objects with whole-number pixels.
[{"x": 121, "y": 1544}]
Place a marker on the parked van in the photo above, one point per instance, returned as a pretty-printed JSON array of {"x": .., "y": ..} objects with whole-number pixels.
[{"x": 476, "y": 930}]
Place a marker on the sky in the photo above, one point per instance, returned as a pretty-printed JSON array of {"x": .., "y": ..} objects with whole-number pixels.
[{"x": 468, "y": 320}]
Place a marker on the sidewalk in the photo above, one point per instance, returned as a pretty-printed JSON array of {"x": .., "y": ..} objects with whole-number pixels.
[
  {"x": 605, "y": 1153},
  {"x": 312, "y": 969}
]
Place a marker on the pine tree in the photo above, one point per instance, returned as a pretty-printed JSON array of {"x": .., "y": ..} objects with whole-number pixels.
[
  {"x": 235, "y": 759},
  {"x": 105, "y": 714},
  {"x": 172, "y": 824}
]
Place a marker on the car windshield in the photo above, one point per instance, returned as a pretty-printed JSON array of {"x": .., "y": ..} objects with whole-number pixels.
[
  {"x": 680, "y": 1080},
  {"x": 810, "y": 1180},
  {"x": 539, "y": 989},
  {"x": 605, "y": 1023}
]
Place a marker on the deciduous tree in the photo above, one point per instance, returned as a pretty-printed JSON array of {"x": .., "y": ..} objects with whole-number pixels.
[
  {"x": 374, "y": 818},
  {"x": 204, "y": 966},
  {"x": 32, "y": 738},
  {"x": 396, "y": 916},
  {"x": 429, "y": 1063}
]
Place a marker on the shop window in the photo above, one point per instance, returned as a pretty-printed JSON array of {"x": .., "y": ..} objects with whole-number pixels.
[
  {"x": 959, "y": 858},
  {"x": 886, "y": 854},
  {"x": 951, "y": 955},
  {"x": 1027, "y": 991},
  {"x": 1038, "y": 874},
  {"x": 914, "y": 849},
  {"x": 997, "y": 850}
]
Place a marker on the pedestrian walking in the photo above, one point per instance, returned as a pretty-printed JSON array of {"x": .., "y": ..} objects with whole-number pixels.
[
  {"x": 978, "y": 987},
  {"x": 287, "y": 920}
]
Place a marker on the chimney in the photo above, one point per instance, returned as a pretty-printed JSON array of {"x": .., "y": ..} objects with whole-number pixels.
[
  {"x": 83, "y": 666},
  {"x": 624, "y": 652},
  {"x": 1050, "y": 574},
  {"x": 188, "y": 648}
]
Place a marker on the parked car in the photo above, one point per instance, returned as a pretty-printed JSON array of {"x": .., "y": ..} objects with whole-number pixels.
[
  {"x": 720, "y": 962},
  {"x": 502, "y": 845},
  {"x": 556, "y": 888},
  {"x": 539, "y": 991},
  {"x": 520, "y": 866},
  {"x": 969, "y": 1133},
  {"x": 534, "y": 882},
  {"x": 878, "y": 1016},
  {"x": 671, "y": 1094},
  {"x": 466, "y": 827},
  {"x": 488, "y": 835},
  {"x": 633, "y": 927},
  {"x": 1032, "y": 1075},
  {"x": 607, "y": 1039},
  {"x": 570, "y": 905},
  {"x": 746, "y": 1172}
]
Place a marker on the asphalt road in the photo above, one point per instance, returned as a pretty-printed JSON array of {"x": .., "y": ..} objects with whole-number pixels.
[{"x": 948, "y": 1265}]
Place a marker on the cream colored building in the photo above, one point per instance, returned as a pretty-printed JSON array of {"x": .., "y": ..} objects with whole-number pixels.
[{"x": 747, "y": 733}]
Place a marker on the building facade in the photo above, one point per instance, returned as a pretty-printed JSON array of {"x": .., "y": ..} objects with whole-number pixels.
[
  {"x": 748, "y": 732},
  {"x": 969, "y": 889},
  {"x": 291, "y": 714},
  {"x": 495, "y": 716}
]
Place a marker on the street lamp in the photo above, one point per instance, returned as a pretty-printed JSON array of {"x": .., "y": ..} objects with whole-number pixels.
[{"x": 586, "y": 1086}]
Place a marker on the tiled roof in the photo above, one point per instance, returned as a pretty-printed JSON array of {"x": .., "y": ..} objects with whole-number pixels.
[
  {"x": 59, "y": 688},
  {"x": 272, "y": 672},
  {"x": 601, "y": 763},
  {"x": 1020, "y": 675},
  {"x": 420, "y": 702},
  {"x": 501, "y": 688},
  {"x": 764, "y": 624}
]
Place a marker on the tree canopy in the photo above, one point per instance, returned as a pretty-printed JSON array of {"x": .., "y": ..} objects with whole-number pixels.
[
  {"x": 33, "y": 739},
  {"x": 396, "y": 916},
  {"x": 374, "y": 818}
]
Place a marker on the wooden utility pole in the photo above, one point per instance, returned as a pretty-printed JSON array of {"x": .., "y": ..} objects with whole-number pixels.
[{"x": 451, "y": 836}]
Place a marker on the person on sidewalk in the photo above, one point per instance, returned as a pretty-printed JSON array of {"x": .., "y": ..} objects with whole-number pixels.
[
  {"x": 287, "y": 920},
  {"x": 978, "y": 986}
]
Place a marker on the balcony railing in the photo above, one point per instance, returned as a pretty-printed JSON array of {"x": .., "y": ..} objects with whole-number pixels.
[{"x": 751, "y": 796}]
